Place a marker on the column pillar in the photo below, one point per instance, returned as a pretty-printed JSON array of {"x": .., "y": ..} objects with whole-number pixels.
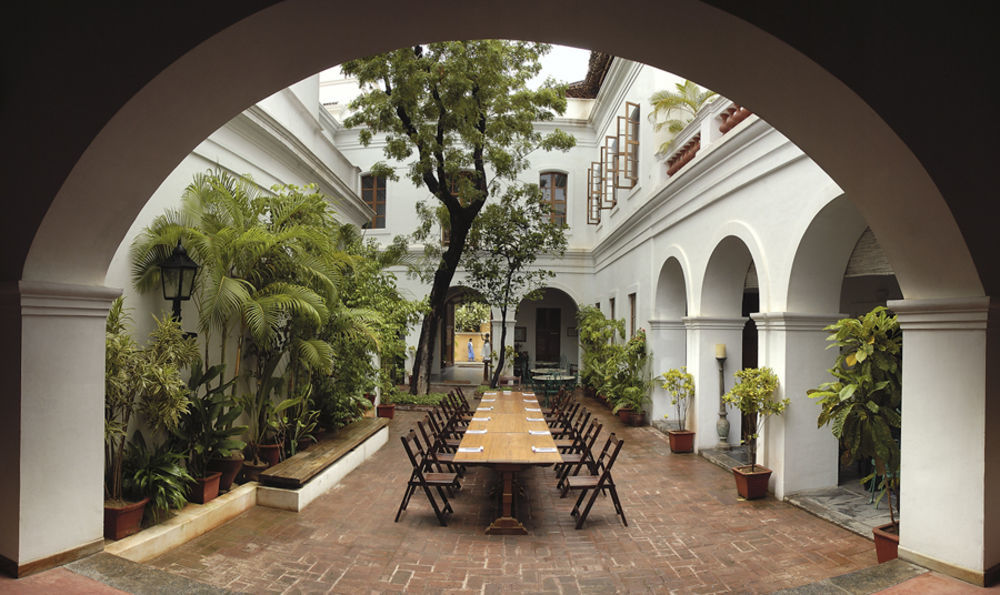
[
  {"x": 950, "y": 439},
  {"x": 52, "y": 422},
  {"x": 667, "y": 341},
  {"x": 802, "y": 456},
  {"x": 703, "y": 334}
]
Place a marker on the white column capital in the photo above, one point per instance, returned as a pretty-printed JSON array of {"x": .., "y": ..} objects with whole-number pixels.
[
  {"x": 698, "y": 323},
  {"x": 667, "y": 325},
  {"x": 794, "y": 321},
  {"x": 43, "y": 298},
  {"x": 947, "y": 314}
]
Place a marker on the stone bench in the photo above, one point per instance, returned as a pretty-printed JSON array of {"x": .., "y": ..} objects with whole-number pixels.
[{"x": 295, "y": 482}]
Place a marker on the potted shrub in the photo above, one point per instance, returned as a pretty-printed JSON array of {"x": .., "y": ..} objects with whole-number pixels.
[
  {"x": 753, "y": 395},
  {"x": 627, "y": 380},
  {"x": 680, "y": 384},
  {"x": 147, "y": 381},
  {"x": 207, "y": 430},
  {"x": 158, "y": 474},
  {"x": 862, "y": 404}
]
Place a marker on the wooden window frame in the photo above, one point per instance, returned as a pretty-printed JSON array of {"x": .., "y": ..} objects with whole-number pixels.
[
  {"x": 370, "y": 198},
  {"x": 553, "y": 175},
  {"x": 631, "y": 306}
]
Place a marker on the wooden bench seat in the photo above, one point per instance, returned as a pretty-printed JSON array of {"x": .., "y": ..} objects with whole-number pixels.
[{"x": 295, "y": 471}]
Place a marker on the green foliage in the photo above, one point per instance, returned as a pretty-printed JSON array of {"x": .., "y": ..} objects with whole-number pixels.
[
  {"x": 145, "y": 380},
  {"x": 679, "y": 107},
  {"x": 399, "y": 398},
  {"x": 680, "y": 384},
  {"x": 626, "y": 377},
  {"x": 157, "y": 473},
  {"x": 754, "y": 396},
  {"x": 505, "y": 240},
  {"x": 862, "y": 404},
  {"x": 470, "y": 316},
  {"x": 462, "y": 116},
  {"x": 614, "y": 369},
  {"x": 208, "y": 428},
  {"x": 597, "y": 339}
]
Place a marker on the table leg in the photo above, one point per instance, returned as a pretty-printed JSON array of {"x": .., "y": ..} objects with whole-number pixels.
[{"x": 507, "y": 523}]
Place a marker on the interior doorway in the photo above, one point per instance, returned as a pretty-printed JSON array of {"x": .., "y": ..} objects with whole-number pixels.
[{"x": 547, "y": 330}]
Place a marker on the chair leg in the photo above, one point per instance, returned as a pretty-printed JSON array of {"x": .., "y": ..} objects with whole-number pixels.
[
  {"x": 618, "y": 504},
  {"x": 437, "y": 511},
  {"x": 586, "y": 511},
  {"x": 447, "y": 504},
  {"x": 576, "y": 507},
  {"x": 406, "y": 500}
]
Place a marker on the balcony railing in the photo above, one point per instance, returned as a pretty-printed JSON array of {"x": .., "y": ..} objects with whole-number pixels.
[{"x": 711, "y": 122}]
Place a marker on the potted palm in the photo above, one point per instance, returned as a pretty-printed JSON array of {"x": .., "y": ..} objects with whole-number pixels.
[
  {"x": 862, "y": 404},
  {"x": 754, "y": 396},
  {"x": 144, "y": 381},
  {"x": 680, "y": 384}
]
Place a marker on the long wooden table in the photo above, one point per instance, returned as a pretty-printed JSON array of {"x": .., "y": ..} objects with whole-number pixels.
[{"x": 516, "y": 437}]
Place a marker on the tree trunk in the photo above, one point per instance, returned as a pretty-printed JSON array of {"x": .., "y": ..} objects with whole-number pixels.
[
  {"x": 422, "y": 361},
  {"x": 503, "y": 341}
]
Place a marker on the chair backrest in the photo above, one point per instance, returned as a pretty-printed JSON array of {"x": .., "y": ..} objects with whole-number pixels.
[
  {"x": 590, "y": 436},
  {"x": 413, "y": 450},
  {"x": 580, "y": 425},
  {"x": 607, "y": 459}
]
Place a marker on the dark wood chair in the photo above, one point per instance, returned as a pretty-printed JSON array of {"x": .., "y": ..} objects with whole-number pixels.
[
  {"x": 578, "y": 455},
  {"x": 563, "y": 425},
  {"x": 599, "y": 483},
  {"x": 439, "y": 454},
  {"x": 422, "y": 477}
]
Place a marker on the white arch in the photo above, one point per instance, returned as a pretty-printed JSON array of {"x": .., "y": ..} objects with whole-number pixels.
[
  {"x": 665, "y": 290},
  {"x": 724, "y": 268},
  {"x": 817, "y": 272},
  {"x": 121, "y": 168}
]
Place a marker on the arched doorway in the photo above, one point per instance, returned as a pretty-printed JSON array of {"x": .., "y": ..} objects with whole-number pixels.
[
  {"x": 667, "y": 335},
  {"x": 113, "y": 166}
]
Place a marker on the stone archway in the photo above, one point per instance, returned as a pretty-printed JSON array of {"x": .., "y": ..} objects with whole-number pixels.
[{"x": 154, "y": 126}]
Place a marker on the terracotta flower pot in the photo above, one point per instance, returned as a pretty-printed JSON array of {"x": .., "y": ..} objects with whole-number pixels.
[
  {"x": 751, "y": 485},
  {"x": 251, "y": 472},
  {"x": 122, "y": 521},
  {"x": 886, "y": 542},
  {"x": 387, "y": 410},
  {"x": 270, "y": 453},
  {"x": 229, "y": 468},
  {"x": 681, "y": 441},
  {"x": 205, "y": 489}
]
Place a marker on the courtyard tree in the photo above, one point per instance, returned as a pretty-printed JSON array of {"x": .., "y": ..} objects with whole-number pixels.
[
  {"x": 504, "y": 242},
  {"x": 462, "y": 117}
]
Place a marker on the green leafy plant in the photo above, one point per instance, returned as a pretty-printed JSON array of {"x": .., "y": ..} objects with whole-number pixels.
[
  {"x": 208, "y": 428},
  {"x": 156, "y": 473},
  {"x": 679, "y": 107},
  {"x": 862, "y": 404},
  {"x": 627, "y": 380},
  {"x": 401, "y": 398},
  {"x": 680, "y": 384},
  {"x": 754, "y": 396},
  {"x": 597, "y": 340},
  {"x": 470, "y": 316},
  {"x": 145, "y": 380}
]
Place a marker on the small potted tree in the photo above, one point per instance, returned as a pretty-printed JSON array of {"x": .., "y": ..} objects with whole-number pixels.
[
  {"x": 144, "y": 381},
  {"x": 680, "y": 384},
  {"x": 753, "y": 395},
  {"x": 862, "y": 404}
]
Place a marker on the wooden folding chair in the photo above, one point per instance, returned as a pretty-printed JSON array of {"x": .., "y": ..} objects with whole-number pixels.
[
  {"x": 422, "y": 477},
  {"x": 575, "y": 457},
  {"x": 575, "y": 431},
  {"x": 436, "y": 450},
  {"x": 599, "y": 483},
  {"x": 563, "y": 425}
]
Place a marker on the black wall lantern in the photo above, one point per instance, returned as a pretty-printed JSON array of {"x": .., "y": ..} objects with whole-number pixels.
[{"x": 177, "y": 274}]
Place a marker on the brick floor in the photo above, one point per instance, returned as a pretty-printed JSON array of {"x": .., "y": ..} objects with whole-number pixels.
[{"x": 687, "y": 533}]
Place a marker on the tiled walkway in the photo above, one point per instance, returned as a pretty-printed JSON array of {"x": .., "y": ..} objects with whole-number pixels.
[{"x": 687, "y": 532}]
